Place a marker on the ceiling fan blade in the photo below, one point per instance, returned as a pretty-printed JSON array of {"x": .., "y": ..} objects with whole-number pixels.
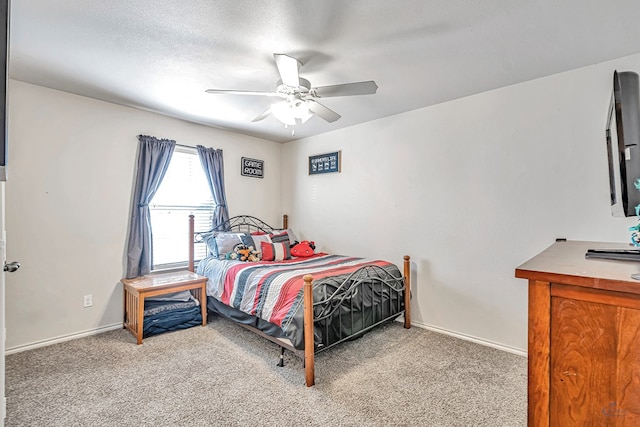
[
  {"x": 242, "y": 92},
  {"x": 262, "y": 116},
  {"x": 288, "y": 69},
  {"x": 322, "y": 111},
  {"x": 359, "y": 88}
]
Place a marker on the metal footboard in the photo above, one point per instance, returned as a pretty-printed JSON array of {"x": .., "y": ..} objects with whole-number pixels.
[{"x": 349, "y": 308}]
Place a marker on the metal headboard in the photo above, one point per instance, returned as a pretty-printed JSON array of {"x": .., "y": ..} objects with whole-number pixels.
[
  {"x": 247, "y": 223},
  {"x": 239, "y": 223}
]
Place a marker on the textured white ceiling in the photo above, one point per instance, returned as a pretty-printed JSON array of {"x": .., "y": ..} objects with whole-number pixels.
[{"x": 161, "y": 55}]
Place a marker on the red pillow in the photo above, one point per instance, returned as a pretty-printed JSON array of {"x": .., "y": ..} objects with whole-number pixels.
[
  {"x": 275, "y": 251},
  {"x": 303, "y": 249}
]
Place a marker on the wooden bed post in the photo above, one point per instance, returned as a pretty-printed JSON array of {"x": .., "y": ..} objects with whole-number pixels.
[
  {"x": 309, "y": 350},
  {"x": 407, "y": 292},
  {"x": 191, "y": 237},
  {"x": 285, "y": 221}
]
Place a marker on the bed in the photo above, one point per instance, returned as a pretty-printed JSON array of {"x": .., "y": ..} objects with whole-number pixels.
[{"x": 304, "y": 304}]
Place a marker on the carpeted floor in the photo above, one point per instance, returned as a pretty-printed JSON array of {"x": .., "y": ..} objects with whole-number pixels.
[{"x": 223, "y": 375}]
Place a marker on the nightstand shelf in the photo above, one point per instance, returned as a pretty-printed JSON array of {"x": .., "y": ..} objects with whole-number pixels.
[{"x": 139, "y": 288}]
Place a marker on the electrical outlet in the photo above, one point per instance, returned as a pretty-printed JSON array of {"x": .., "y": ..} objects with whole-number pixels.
[{"x": 88, "y": 301}]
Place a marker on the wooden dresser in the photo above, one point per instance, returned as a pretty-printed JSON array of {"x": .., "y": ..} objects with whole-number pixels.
[{"x": 584, "y": 337}]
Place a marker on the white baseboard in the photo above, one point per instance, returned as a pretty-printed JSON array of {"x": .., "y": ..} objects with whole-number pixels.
[
  {"x": 476, "y": 340},
  {"x": 47, "y": 342}
]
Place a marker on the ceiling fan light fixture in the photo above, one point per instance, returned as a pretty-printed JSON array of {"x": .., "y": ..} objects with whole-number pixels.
[
  {"x": 288, "y": 111},
  {"x": 282, "y": 111},
  {"x": 306, "y": 116}
]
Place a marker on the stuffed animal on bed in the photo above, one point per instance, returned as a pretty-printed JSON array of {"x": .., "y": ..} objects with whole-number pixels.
[
  {"x": 302, "y": 249},
  {"x": 244, "y": 253}
]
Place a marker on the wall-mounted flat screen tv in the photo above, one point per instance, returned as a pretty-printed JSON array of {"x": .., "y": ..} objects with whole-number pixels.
[{"x": 623, "y": 143}]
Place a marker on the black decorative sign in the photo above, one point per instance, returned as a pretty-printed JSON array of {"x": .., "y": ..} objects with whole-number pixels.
[
  {"x": 252, "y": 167},
  {"x": 324, "y": 163}
]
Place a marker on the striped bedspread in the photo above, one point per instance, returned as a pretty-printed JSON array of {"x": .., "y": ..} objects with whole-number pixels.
[{"x": 273, "y": 290}]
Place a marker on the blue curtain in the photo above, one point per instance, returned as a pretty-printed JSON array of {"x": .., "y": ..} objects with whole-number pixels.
[
  {"x": 211, "y": 160},
  {"x": 154, "y": 156}
]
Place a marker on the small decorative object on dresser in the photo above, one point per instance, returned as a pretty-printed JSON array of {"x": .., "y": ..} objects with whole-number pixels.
[
  {"x": 635, "y": 235},
  {"x": 154, "y": 285}
]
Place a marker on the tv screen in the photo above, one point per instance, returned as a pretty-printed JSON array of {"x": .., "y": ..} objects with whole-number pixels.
[{"x": 623, "y": 143}]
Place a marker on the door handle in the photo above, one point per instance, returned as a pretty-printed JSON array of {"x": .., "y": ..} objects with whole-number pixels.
[{"x": 11, "y": 267}]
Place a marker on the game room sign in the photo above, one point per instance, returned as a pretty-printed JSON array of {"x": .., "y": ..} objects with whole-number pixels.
[{"x": 252, "y": 167}]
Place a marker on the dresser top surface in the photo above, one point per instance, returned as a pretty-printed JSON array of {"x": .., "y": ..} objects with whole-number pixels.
[{"x": 565, "y": 262}]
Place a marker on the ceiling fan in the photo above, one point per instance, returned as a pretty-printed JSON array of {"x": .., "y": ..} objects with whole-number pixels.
[{"x": 298, "y": 100}]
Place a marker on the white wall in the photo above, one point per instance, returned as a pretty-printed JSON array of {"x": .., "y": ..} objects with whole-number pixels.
[
  {"x": 71, "y": 168},
  {"x": 470, "y": 189}
]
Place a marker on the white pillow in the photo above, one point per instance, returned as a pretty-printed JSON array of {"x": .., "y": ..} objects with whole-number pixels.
[
  {"x": 225, "y": 242},
  {"x": 257, "y": 239}
]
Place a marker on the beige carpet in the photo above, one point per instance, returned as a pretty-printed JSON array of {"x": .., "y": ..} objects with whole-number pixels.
[{"x": 223, "y": 375}]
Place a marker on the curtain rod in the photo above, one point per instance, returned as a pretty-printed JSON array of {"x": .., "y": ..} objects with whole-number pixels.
[
  {"x": 185, "y": 146},
  {"x": 180, "y": 145}
]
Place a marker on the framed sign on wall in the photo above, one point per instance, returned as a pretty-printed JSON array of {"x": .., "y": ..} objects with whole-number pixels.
[
  {"x": 325, "y": 163},
  {"x": 252, "y": 167}
]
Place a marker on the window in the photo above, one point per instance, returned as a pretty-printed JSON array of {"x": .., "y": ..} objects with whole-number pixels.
[{"x": 183, "y": 191}]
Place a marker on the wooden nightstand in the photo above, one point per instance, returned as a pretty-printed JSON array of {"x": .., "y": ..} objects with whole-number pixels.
[{"x": 139, "y": 288}]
